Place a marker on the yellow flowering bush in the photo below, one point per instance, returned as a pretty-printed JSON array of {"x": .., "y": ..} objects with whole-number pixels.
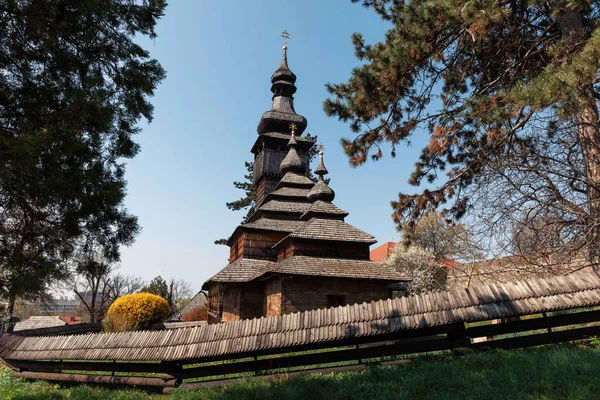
[{"x": 135, "y": 312}]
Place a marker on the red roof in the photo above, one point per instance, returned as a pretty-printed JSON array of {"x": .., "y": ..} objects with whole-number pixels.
[{"x": 382, "y": 251}]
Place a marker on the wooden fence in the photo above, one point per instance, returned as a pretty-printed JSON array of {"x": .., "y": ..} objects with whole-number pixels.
[{"x": 549, "y": 311}]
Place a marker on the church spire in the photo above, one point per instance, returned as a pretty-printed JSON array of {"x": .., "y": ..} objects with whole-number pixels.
[
  {"x": 321, "y": 191},
  {"x": 282, "y": 112},
  {"x": 292, "y": 161}
]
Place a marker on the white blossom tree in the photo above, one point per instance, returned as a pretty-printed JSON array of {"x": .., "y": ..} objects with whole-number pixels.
[{"x": 420, "y": 266}]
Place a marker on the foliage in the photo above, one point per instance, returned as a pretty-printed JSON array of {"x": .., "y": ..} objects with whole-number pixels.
[
  {"x": 179, "y": 294},
  {"x": 420, "y": 266},
  {"x": 73, "y": 86},
  {"x": 136, "y": 312},
  {"x": 446, "y": 240},
  {"x": 452, "y": 69},
  {"x": 197, "y": 314},
  {"x": 157, "y": 286},
  {"x": 97, "y": 286},
  {"x": 595, "y": 342}
]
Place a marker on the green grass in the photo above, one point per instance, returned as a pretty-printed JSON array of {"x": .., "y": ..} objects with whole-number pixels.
[{"x": 548, "y": 373}]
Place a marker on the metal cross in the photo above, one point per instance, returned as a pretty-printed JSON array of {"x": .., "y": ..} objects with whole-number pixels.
[
  {"x": 293, "y": 128},
  {"x": 321, "y": 148},
  {"x": 285, "y": 35}
]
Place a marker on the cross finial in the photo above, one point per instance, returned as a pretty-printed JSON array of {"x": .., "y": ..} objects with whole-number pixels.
[
  {"x": 293, "y": 128},
  {"x": 285, "y": 35},
  {"x": 321, "y": 148}
]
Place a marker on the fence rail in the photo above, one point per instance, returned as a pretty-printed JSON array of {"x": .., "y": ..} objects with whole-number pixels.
[
  {"x": 537, "y": 330},
  {"x": 476, "y": 319}
]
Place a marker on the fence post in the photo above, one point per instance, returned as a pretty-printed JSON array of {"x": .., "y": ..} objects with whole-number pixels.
[{"x": 456, "y": 334}]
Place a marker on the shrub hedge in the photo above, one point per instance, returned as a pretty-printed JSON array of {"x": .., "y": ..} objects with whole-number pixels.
[{"x": 136, "y": 312}]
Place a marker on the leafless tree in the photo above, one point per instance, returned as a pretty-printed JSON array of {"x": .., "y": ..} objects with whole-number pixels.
[
  {"x": 533, "y": 202},
  {"x": 179, "y": 294}
]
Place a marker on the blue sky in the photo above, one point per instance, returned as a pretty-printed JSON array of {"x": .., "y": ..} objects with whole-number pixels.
[{"x": 219, "y": 57}]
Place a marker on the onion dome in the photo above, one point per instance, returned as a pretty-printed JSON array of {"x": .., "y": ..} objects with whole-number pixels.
[
  {"x": 292, "y": 161},
  {"x": 321, "y": 191},
  {"x": 282, "y": 112}
]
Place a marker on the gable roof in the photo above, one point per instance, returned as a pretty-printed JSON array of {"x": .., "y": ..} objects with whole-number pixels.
[{"x": 38, "y": 322}]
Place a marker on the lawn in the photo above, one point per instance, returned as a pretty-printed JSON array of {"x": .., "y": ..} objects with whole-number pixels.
[{"x": 560, "y": 372}]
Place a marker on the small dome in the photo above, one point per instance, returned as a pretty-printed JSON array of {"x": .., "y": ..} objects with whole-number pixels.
[
  {"x": 321, "y": 192},
  {"x": 292, "y": 161}
]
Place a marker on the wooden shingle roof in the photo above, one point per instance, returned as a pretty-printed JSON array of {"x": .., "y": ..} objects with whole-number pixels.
[
  {"x": 289, "y": 192},
  {"x": 317, "y": 326},
  {"x": 38, "y": 322},
  {"x": 292, "y": 178},
  {"x": 331, "y": 230},
  {"x": 241, "y": 270},
  {"x": 278, "y": 225},
  {"x": 323, "y": 208},
  {"x": 285, "y": 206},
  {"x": 335, "y": 267}
]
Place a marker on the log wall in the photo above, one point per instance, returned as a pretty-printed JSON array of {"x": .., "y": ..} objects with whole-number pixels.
[
  {"x": 357, "y": 251},
  {"x": 252, "y": 303},
  {"x": 273, "y": 297},
  {"x": 265, "y": 186},
  {"x": 309, "y": 293},
  {"x": 231, "y": 303},
  {"x": 258, "y": 245},
  {"x": 237, "y": 248}
]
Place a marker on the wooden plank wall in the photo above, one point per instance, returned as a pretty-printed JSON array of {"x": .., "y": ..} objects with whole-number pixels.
[
  {"x": 258, "y": 244},
  {"x": 310, "y": 292},
  {"x": 313, "y": 248}
]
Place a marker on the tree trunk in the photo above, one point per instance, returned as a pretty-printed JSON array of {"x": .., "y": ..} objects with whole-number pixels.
[
  {"x": 571, "y": 25},
  {"x": 11, "y": 306}
]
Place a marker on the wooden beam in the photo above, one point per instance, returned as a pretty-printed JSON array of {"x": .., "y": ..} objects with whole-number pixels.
[
  {"x": 322, "y": 358},
  {"x": 105, "y": 379},
  {"x": 92, "y": 366},
  {"x": 539, "y": 339},
  {"x": 534, "y": 324}
]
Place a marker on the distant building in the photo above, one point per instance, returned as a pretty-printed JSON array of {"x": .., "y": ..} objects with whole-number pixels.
[
  {"x": 60, "y": 306},
  {"x": 380, "y": 253}
]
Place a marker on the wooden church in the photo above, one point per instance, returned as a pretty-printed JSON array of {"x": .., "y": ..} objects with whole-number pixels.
[{"x": 295, "y": 253}]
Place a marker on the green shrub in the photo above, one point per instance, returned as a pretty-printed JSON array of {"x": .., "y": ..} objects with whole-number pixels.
[{"x": 135, "y": 312}]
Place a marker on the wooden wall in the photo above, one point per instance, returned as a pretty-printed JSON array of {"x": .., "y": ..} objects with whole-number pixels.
[
  {"x": 258, "y": 244},
  {"x": 272, "y": 296},
  {"x": 255, "y": 245},
  {"x": 265, "y": 186},
  {"x": 213, "y": 302},
  {"x": 357, "y": 251},
  {"x": 237, "y": 248},
  {"x": 231, "y": 303},
  {"x": 303, "y": 293},
  {"x": 253, "y": 300}
]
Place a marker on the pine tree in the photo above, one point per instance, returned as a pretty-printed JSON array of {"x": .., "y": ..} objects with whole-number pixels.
[
  {"x": 505, "y": 74},
  {"x": 73, "y": 85}
]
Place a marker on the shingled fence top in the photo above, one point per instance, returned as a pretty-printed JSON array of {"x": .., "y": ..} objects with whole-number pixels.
[{"x": 499, "y": 300}]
